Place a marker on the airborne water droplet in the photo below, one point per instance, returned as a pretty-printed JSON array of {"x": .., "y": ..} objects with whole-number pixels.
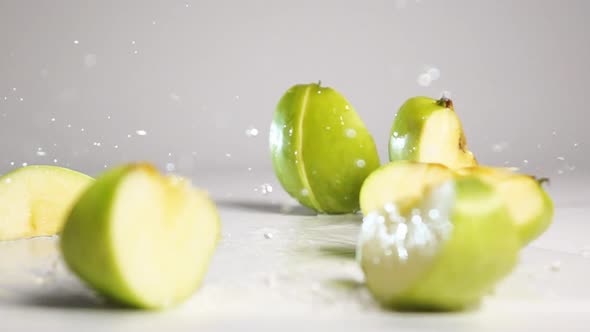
[
  {"x": 350, "y": 133},
  {"x": 304, "y": 192},
  {"x": 360, "y": 163},
  {"x": 141, "y": 132}
]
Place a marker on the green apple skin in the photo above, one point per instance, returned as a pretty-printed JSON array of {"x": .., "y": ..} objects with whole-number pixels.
[
  {"x": 528, "y": 203},
  {"x": 90, "y": 249},
  {"x": 478, "y": 250},
  {"x": 321, "y": 150},
  {"x": 409, "y": 132},
  {"x": 35, "y": 200}
]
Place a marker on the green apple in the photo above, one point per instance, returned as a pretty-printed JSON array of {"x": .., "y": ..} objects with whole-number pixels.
[
  {"x": 401, "y": 183},
  {"x": 141, "y": 239},
  {"x": 445, "y": 254},
  {"x": 321, "y": 150},
  {"x": 428, "y": 130},
  {"x": 529, "y": 205},
  {"x": 35, "y": 200}
]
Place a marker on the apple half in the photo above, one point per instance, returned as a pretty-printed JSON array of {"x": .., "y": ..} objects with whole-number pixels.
[
  {"x": 428, "y": 130},
  {"x": 321, "y": 150},
  {"x": 35, "y": 200},
  {"x": 141, "y": 239},
  {"x": 446, "y": 253}
]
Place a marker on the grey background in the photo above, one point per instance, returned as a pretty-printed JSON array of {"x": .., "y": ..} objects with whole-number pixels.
[{"x": 78, "y": 77}]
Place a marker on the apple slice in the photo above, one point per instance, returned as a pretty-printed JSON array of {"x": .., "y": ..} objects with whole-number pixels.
[
  {"x": 141, "y": 239},
  {"x": 445, "y": 254},
  {"x": 35, "y": 200},
  {"x": 401, "y": 183},
  {"x": 428, "y": 130},
  {"x": 529, "y": 205},
  {"x": 321, "y": 150}
]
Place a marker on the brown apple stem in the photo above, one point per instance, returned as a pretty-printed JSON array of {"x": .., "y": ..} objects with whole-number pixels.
[
  {"x": 445, "y": 102},
  {"x": 542, "y": 181},
  {"x": 320, "y": 83}
]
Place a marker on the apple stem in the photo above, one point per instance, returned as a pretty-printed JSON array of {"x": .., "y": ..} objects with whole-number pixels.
[
  {"x": 542, "y": 181},
  {"x": 444, "y": 101},
  {"x": 320, "y": 83}
]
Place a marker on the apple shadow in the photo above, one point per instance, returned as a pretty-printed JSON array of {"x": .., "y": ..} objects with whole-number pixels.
[{"x": 263, "y": 207}]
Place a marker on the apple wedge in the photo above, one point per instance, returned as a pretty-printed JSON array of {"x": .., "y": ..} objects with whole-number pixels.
[
  {"x": 141, "y": 239},
  {"x": 529, "y": 205},
  {"x": 428, "y": 130},
  {"x": 401, "y": 183},
  {"x": 446, "y": 253},
  {"x": 35, "y": 200}
]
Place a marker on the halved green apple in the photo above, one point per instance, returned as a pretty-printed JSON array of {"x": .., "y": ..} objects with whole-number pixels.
[
  {"x": 428, "y": 130},
  {"x": 401, "y": 183},
  {"x": 446, "y": 253},
  {"x": 529, "y": 205},
  {"x": 35, "y": 200},
  {"x": 140, "y": 238},
  {"x": 321, "y": 150}
]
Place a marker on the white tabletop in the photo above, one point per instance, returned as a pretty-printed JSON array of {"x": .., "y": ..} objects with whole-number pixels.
[{"x": 272, "y": 272}]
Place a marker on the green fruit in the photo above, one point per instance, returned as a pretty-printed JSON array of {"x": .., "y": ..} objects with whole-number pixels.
[
  {"x": 445, "y": 254},
  {"x": 141, "y": 239},
  {"x": 428, "y": 130},
  {"x": 321, "y": 150},
  {"x": 401, "y": 183},
  {"x": 530, "y": 207},
  {"x": 35, "y": 200}
]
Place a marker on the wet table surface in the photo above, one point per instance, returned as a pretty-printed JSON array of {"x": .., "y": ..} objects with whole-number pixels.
[{"x": 281, "y": 267}]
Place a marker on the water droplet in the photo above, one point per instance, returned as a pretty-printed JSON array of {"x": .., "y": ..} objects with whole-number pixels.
[
  {"x": 24, "y": 164},
  {"x": 360, "y": 163},
  {"x": 170, "y": 167},
  {"x": 21, "y": 99},
  {"x": 554, "y": 133},
  {"x": 251, "y": 132},
  {"x": 135, "y": 52},
  {"x": 264, "y": 189},
  {"x": 141, "y": 132},
  {"x": 434, "y": 214},
  {"x": 90, "y": 60},
  {"x": 41, "y": 153},
  {"x": 575, "y": 144},
  {"x": 560, "y": 158},
  {"x": 395, "y": 134},
  {"x": 328, "y": 128},
  {"x": 174, "y": 97},
  {"x": 424, "y": 80},
  {"x": 559, "y": 171},
  {"x": 9, "y": 180},
  {"x": 555, "y": 266},
  {"x": 434, "y": 73},
  {"x": 228, "y": 155},
  {"x": 499, "y": 147},
  {"x": 268, "y": 236},
  {"x": 52, "y": 119},
  {"x": 249, "y": 169},
  {"x": 55, "y": 161},
  {"x": 82, "y": 129},
  {"x": 12, "y": 163},
  {"x": 525, "y": 161},
  {"x": 290, "y": 131},
  {"x": 350, "y": 133},
  {"x": 76, "y": 42},
  {"x": 319, "y": 92},
  {"x": 304, "y": 192}
]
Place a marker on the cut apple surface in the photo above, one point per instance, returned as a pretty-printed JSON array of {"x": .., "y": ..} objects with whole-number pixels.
[
  {"x": 35, "y": 200},
  {"x": 447, "y": 252},
  {"x": 529, "y": 205},
  {"x": 321, "y": 150},
  {"x": 428, "y": 130},
  {"x": 401, "y": 183},
  {"x": 140, "y": 238}
]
